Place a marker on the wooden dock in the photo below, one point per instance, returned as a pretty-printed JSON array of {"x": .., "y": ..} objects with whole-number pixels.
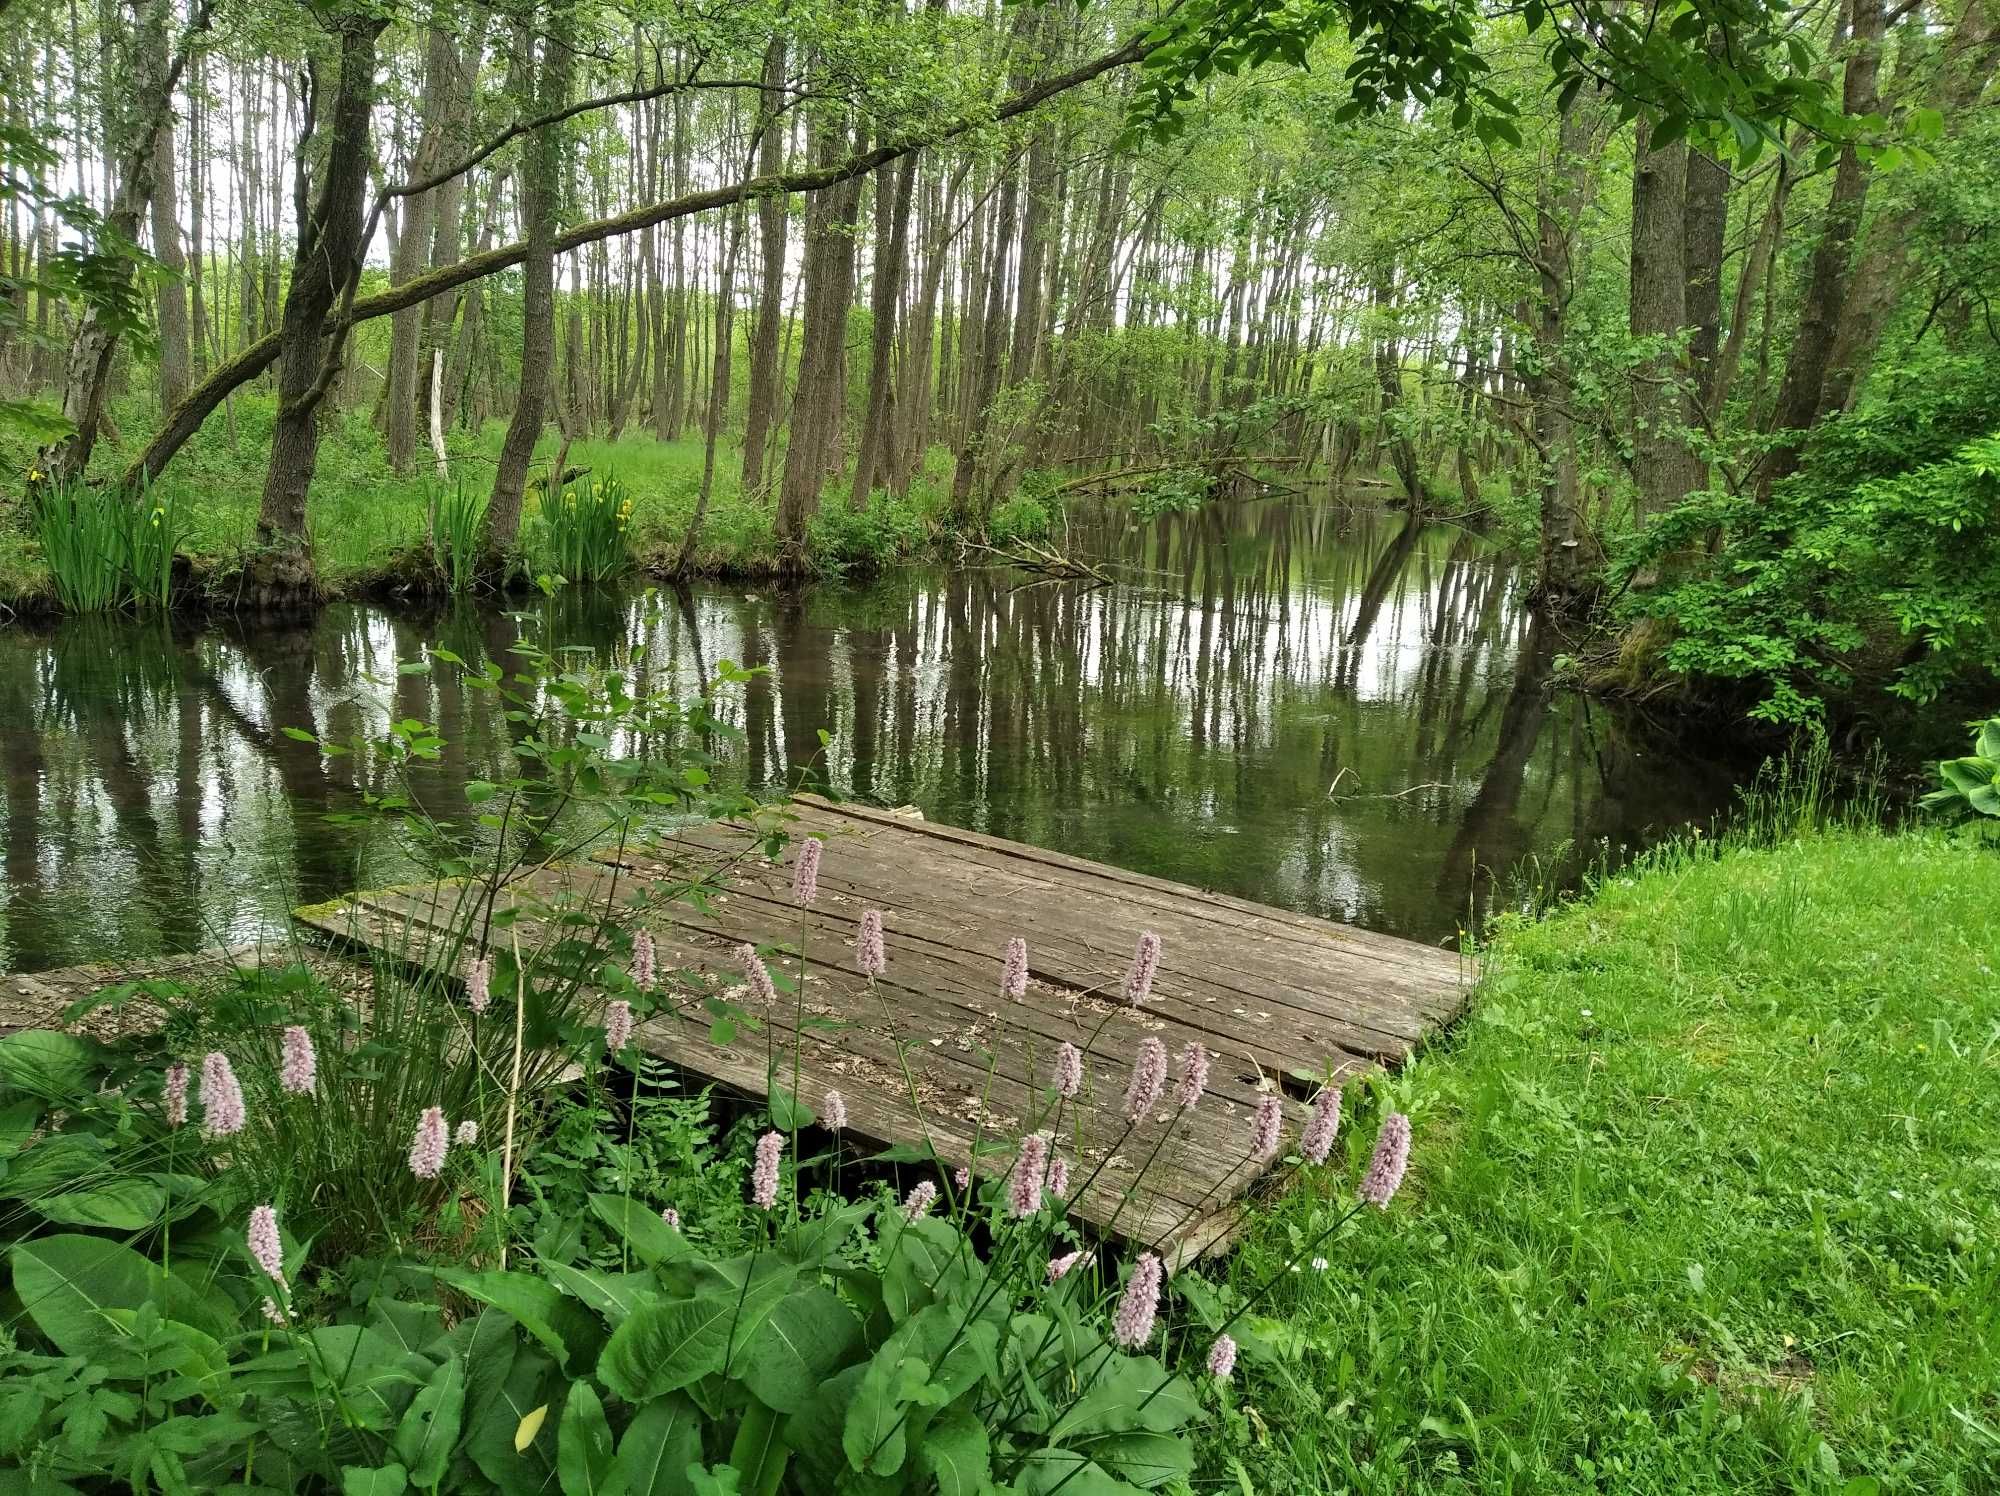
[{"x": 932, "y": 1054}]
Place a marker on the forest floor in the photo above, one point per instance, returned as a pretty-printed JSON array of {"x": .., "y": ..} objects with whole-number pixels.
[
  {"x": 370, "y": 529},
  {"x": 1703, "y": 1199}
]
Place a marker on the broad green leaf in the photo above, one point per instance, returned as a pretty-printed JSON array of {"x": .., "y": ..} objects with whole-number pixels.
[
  {"x": 119, "y": 1204},
  {"x": 526, "y": 1467},
  {"x": 18, "y": 1122},
  {"x": 536, "y": 1305},
  {"x": 639, "y": 1226},
  {"x": 664, "y": 1347},
  {"x": 954, "y": 1453},
  {"x": 388, "y": 1480},
  {"x": 43, "y": 1062},
  {"x": 613, "y": 1295},
  {"x": 68, "y": 1283},
  {"x": 758, "y": 1454},
  {"x": 659, "y": 1445},
  {"x": 1047, "y": 1471},
  {"x": 1146, "y": 1460},
  {"x": 807, "y": 1337},
  {"x": 788, "y": 1113},
  {"x": 429, "y": 1431},
  {"x": 583, "y": 1448}
]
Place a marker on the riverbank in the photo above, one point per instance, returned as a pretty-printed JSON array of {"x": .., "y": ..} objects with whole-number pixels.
[
  {"x": 1703, "y": 1201},
  {"x": 371, "y": 531}
]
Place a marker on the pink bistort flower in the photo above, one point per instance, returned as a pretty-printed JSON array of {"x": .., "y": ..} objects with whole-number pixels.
[
  {"x": 833, "y": 1111},
  {"x": 1059, "y": 1266},
  {"x": 479, "y": 984},
  {"x": 299, "y": 1072},
  {"x": 1222, "y": 1358},
  {"x": 465, "y": 1134},
  {"x": 1194, "y": 1075},
  {"x": 757, "y": 975},
  {"x": 1014, "y": 970},
  {"x": 917, "y": 1204},
  {"x": 869, "y": 956},
  {"x": 1145, "y": 965},
  {"x": 265, "y": 1246},
  {"x": 672, "y": 1217},
  {"x": 1132, "y": 1326},
  {"x": 174, "y": 1091},
  {"x": 805, "y": 871},
  {"x": 645, "y": 967},
  {"x": 1266, "y": 1129},
  {"x": 1149, "y": 1078},
  {"x": 1059, "y": 1177},
  {"x": 1069, "y": 1071},
  {"x": 1316, "y": 1142},
  {"x": 1392, "y": 1157},
  {"x": 617, "y": 1026},
  {"x": 1024, "y": 1187},
  {"x": 429, "y": 1144},
  {"x": 764, "y": 1178},
  {"x": 222, "y": 1111}
]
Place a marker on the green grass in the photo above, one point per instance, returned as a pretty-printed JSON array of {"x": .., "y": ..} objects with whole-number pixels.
[
  {"x": 366, "y": 524},
  {"x": 1703, "y": 1199}
]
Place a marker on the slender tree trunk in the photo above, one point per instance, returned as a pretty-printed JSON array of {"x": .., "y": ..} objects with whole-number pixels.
[
  {"x": 874, "y": 460},
  {"x": 541, "y": 198},
  {"x": 761, "y": 414},
  {"x": 1665, "y": 468},
  {"x": 170, "y": 300}
]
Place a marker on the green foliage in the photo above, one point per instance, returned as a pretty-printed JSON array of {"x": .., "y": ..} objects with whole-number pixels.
[
  {"x": 105, "y": 548},
  {"x": 1971, "y": 785},
  {"x": 579, "y": 533},
  {"x": 1875, "y": 567},
  {"x": 457, "y": 529}
]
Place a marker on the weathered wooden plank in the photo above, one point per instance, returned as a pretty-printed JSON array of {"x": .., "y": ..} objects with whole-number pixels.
[{"x": 932, "y": 1050}]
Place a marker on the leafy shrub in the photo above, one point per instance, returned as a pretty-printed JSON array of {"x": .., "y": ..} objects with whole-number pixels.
[
  {"x": 1020, "y": 518},
  {"x": 1971, "y": 785},
  {"x": 106, "y": 549},
  {"x": 1875, "y": 566},
  {"x": 579, "y": 533}
]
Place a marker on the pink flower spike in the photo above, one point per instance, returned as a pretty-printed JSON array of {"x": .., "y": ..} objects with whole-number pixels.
[
  {"x": 1392, "y": 1157},
  {"x": 222, "y": 1109},
  {"x": 299, "y": 1072},
  {"x": 1069, "y": 1071},
  {"x": 429, "y": 1144},
  {"x": 1059, "y": 1177},
  {"x": 1014, "y": 970},
  {"x": 465, "y": 1134},
  {"x": 1149, "y": 1078},
  {"x": 1024, "y": 1188},
  {"x": 1194, "y": 1075},
  {"x": 1132, "y": 1326},
  {"x": 672, "y": 1217},
  {"x": 1317, "y": 1140},
  {"x": 805, "y": 871},
  {"x": 264, "y": 1243},
  {"x": 917, "y": 1204},
  {"x": 1059, "y": 1266},
  {"x": 764, "y": 1178},
  {"x": 617, "y": 1026},
  {"x": 1267, "y": 1129},
  {"x": 1145, "y": 965},
  {"x": 479, "y": 984},
  {"x": 757, "y": 975},
  {"x": 869, "y": 955},
  {"x": 175, "y": 1094},
  {"x": 272, "y": 1312},
  {"x": 833, "y": 1111},
  {"x": 961, "y": 1179},
  {"x": 644, "y": 962},
  {"x": 1222, "y": 1358}
]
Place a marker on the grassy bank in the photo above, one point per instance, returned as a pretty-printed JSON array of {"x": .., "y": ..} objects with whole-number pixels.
[
  {"x": 1704, "y": 1200},
  {"x": 369, "y": 528}
]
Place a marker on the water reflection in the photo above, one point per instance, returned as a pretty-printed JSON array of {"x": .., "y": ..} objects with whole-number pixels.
[{"x": 1328, "y": 708}]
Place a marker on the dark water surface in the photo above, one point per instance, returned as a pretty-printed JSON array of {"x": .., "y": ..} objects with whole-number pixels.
[{"x": 1322, "y": 707}]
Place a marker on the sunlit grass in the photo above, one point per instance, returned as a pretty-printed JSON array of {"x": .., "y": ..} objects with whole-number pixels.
[{"x": 1704, "y": 1200}]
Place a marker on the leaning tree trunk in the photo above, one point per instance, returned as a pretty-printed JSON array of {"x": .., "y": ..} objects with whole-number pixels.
[
  {"x": 541, "y": 195},
  {"x": 328, "y": 255}
]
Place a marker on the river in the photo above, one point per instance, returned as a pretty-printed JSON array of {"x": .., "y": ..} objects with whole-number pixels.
[{"x": 1311, "y": 704}]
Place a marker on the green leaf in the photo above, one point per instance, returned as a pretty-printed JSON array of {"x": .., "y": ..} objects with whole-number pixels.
[
  {"x": 1144, "y": 1459},
  {"x": 54, "y": 1066},
  {"x": 18, "y": 1122},
  {"x": 788, "y": 1113},
  {"x": 665, "y": 1347},
  {"x": 584, "y": 1462},
  {"x": 659, "y": 1445},
  {"x": 806, "y": 1338},
  {"x": 954, "y": 1454},
  {"x": 1046, "y": 1471},
  {"x": 389, "y": 1480},
  {"x": 759, "y": 1454},
  {"x": 68, "y": 1284},
  {"x": 528, "y": 1472},
  {"x": 641, "y": 1229},
  {"x": 125, "y": 1204},
  {"x": 535, "y": 1305},
  {"x": 429, "y": 1431},
  {"x": 613, "y": 1295}
]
